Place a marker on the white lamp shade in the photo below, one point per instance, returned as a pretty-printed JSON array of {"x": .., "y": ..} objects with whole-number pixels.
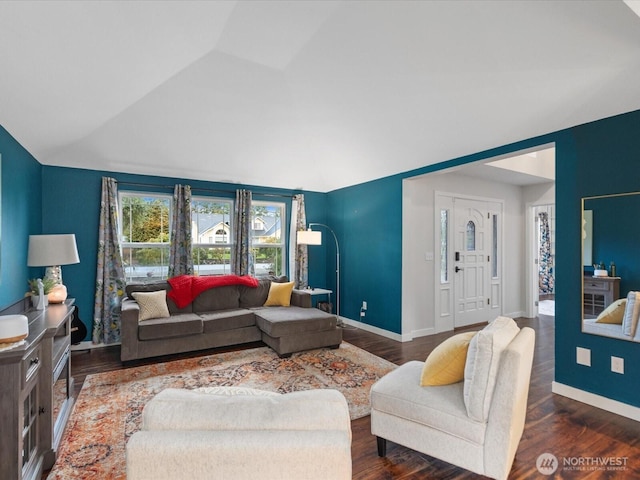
[
  {"x": 50, "y": 250},
  {"x": 309, "y": 237}
]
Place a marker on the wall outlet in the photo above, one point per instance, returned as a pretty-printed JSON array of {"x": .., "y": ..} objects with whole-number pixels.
[
  {"x": 617, "y": 365},
  {"x": 362, "y": 313},
  {"x": 583, "y": 356}
]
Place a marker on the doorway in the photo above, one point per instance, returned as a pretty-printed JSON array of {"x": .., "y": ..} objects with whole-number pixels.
[
  {"x": 545, "y": 232},
  {"x": 470, "y": 244}
]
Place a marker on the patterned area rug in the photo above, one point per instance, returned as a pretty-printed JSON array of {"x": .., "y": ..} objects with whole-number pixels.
[{"x": 110, "y": 404}]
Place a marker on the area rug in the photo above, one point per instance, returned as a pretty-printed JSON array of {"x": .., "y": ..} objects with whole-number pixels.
[{"x": 108, "y": 409}]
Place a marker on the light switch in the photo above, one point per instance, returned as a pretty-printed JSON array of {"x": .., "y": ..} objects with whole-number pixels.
[
  {"x": 583, "y": 356},
  {"x": 617, "y": 365},
  {"x": 428, "y": 256}
]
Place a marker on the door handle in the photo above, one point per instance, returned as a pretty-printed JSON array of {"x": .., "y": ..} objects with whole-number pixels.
[{"x": 458, "y": 269}]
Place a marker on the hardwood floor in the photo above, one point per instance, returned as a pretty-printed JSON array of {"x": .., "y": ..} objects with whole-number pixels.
[{"x": 570, "y": 430}]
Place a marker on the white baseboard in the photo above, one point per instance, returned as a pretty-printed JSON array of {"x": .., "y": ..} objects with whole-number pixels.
[
  {"x": 376, "y": 330},
  {"x": 424, "y": 332},
  {"x": 604, "y": 403}
]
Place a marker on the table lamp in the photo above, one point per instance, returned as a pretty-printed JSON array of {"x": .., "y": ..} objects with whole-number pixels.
[{"x": 53, "y": 251}]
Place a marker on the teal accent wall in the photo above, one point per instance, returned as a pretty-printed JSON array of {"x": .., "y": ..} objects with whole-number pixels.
[
  {"x": 592, "y": 159},
  {"x": 21, "y": 216},
  {"x": 71, "y": 204},
  {"x": 367, "y": 219},
  {"x": 597, "y": 158}
]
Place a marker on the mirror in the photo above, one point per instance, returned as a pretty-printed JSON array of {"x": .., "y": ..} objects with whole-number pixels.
[{"x": 611, "y": 265}]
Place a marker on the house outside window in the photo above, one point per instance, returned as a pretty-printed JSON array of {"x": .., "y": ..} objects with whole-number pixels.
[
  {"x": 268, "y": 237},
  {"x": 211, "y": 235},
  {"x": 145, "y": 236}
]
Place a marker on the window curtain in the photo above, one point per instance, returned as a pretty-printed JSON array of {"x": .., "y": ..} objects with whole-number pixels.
[
  {"x": 545, "y": 267},
  {"x": 180, "y": 258},
  {"x": 298, "y": 257},
  {"x": 110, "y": 278},
  {"x": 241, "y": 257}
]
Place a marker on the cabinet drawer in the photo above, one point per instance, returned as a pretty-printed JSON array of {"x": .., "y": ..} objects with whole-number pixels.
[
  {"x": 31, "y": 364},
  {"x": 596, "y": 285}
]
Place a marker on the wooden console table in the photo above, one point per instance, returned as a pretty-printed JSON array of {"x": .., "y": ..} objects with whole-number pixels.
[
  {"x": 599, "y": 293},
  {"x": 36, "y": 390}
]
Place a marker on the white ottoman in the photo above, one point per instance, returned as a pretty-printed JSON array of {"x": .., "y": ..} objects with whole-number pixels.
[{"x": 239, "y": 433}]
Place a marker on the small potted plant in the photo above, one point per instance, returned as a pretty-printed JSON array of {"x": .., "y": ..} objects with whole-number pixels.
[{"x": 47, "y": 284}]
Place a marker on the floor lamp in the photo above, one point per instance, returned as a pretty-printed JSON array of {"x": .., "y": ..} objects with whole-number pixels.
[{"x": 310, "y": 237}]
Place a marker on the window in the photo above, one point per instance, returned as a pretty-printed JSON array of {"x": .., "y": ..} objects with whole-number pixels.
[
  {"x": 444, "y": 246},
  {"x": 211, "y": 235},
  {"x": 494, "y": 247},
  {"x": 268, "y": 237},
  {"x": 145, "y": 236},
  {"x": 471, "y": 236}
]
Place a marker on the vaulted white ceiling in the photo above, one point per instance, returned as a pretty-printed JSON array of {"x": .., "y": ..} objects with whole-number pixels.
[{"x": 305, "y": 94}]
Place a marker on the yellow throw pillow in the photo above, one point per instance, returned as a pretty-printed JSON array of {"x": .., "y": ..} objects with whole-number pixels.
[
  {"x": 279, "y": 294},
  {"x": 445, "y": 364},
  {"x": 152, "y": 304},
  {"x": 614, "y": 313}
]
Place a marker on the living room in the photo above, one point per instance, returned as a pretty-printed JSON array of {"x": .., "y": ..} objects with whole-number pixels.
[{"x": 593, "y": 128}]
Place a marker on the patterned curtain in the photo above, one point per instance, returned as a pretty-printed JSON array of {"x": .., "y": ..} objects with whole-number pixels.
[
  {"x": 180, "y": 259},
  {"x": 545, "y": 266},
  {"x": 298, "y": 257},
  {"x": 110, "y": 278},
  {"x": 241, "y": 257}
]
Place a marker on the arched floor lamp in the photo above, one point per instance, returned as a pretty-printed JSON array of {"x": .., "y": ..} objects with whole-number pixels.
[{"x": 311, "y": 237}]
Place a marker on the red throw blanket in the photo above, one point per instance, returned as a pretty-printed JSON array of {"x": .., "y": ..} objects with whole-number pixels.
[{"x": 185, "y": 288}]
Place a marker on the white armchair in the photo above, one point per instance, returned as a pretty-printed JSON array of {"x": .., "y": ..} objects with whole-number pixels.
[{"x": 476, "y": 423}]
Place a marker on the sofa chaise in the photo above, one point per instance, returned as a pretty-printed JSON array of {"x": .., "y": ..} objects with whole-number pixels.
[{"x": 225, "y": 315}]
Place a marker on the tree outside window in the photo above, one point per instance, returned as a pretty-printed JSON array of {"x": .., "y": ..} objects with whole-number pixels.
[{"x": 145, "y": 236}]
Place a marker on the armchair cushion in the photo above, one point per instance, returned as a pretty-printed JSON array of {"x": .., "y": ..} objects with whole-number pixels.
[
  {"x": 483, "y": 359},
  {"x": 445, "y": 364},
  {"x": 441, "y": 408}
]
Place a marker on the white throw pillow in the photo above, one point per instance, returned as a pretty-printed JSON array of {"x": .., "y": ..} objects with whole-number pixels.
[
  {"x": 152, "y": 304},
  {"x": 481, "y": 368},
  {"x": 631, "y": 314}
]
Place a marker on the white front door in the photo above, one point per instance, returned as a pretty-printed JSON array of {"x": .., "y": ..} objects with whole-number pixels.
[{"x": 472, "y": 262}]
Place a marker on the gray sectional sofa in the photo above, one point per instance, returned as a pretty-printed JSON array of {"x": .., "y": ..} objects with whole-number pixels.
[{"x": 226, "y": 315}]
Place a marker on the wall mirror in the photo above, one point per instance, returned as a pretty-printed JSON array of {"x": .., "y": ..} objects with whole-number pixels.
[{"x": 611, "y": 265}]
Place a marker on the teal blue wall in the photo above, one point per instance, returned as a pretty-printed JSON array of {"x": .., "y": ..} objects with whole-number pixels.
[
  {"x": 592, "y": 159},
  {"x": 368, "y": 221},
  {"x": 71, "y": 204},
  {"x": 597, "y": 158},
  {"x": 21, "y": 216}
]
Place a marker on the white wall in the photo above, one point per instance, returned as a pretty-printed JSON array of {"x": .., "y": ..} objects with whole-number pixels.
[{"x": 418, "y": 237}]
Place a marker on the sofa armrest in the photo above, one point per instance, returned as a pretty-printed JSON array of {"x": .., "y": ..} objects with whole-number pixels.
[
  {"x": 300, "y": 298},
  {"x": 129, "y": 313}
]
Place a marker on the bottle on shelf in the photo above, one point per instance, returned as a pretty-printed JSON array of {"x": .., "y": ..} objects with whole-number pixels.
[{"x": 612, "y": 270}]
